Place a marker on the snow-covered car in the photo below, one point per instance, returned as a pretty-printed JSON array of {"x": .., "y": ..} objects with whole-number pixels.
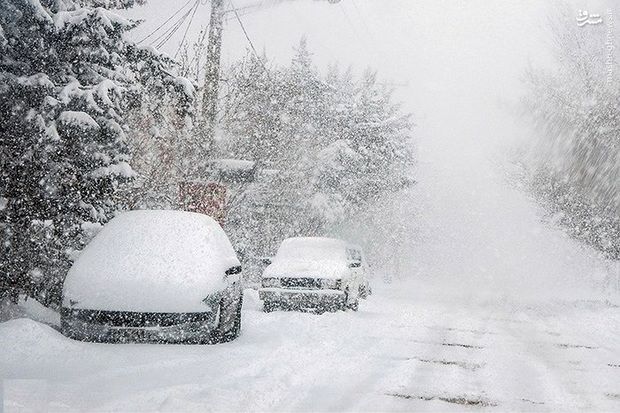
[
  {"x": 315, "y": 273},
  {"x": 155, "y": 276}
]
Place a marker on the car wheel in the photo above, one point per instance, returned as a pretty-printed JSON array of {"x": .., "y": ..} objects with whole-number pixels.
[
  {"x": 236, "y": 328},
  {"x": 348, "y": 305},
  {"x": 220, "y": 335},
  {"x": 363, "y": 292},
  {"x": 66, "y": 329}
]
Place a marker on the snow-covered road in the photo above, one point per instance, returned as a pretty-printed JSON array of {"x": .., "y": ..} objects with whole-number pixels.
[{"x": 410, "y": 347}]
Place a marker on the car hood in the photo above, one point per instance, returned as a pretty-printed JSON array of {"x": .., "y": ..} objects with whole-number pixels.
[{"x": 301, "y": 269}]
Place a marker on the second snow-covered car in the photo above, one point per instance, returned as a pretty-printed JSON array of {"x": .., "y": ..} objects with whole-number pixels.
[
  {"x": 155, "y": 276},
  {"x": 314, "y": 273}
]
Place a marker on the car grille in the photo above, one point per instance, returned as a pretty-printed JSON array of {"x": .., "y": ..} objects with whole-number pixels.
[
  {"x": 134, "y": 319},
  {"x": 305, "y": 283}
]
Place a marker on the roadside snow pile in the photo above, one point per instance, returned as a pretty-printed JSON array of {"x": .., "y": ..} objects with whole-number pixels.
[
  {"x": 413, "y": 346},
  {"x": 163, "y": 261},
  {"x": 28, "y": 308},
  {"x": 38, "y": 312},
  {"x": 33, "y": 340}
]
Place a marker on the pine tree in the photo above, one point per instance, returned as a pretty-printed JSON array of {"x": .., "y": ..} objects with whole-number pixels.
[
  {"x": 252, "y": 110},
  {"x": 67, "y": 79}
]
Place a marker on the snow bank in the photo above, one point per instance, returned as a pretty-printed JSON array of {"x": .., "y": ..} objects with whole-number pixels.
[
  {"x": 157, "y": 261},
  {"x": 28, "y": 308},
  {"x": 29, "y": 338}
]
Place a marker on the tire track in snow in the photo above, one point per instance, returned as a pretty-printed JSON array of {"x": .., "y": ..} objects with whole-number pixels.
[
  {"x": 538, "y": 372},
  {"x": 453, "y": 365}
]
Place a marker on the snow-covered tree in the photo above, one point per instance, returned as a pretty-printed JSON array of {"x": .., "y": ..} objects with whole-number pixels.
[
  {"x": 331, "y": 145},
  {"x": 576, "y": 109},
  {"x": 160, "y": 140},
  {"x": 251, "y": 109},
  {"x": 68, "y": 77}
]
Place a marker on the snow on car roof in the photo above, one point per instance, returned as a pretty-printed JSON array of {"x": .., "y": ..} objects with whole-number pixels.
[
  {"x": 309, "y": 257},
  {"x": 312, "y": 247},
  {"x": 155, "y": 261}
]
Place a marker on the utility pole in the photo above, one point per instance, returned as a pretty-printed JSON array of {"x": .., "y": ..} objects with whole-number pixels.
[
  {"x": 212, "y": 72},
  {"x": 196, "y": 196}
]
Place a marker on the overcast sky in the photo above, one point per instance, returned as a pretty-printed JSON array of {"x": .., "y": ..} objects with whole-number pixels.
[
  {"x": 429, "y": 45},
  {"x": 447, "y": 54}
]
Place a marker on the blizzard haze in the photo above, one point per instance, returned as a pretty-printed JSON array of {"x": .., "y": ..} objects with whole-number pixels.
[{"x": 458, "y": 66}]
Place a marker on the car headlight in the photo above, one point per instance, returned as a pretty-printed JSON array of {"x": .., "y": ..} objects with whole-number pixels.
[
  {"x": 330, "y": 284},
  {"x": 270, "y": 282}
]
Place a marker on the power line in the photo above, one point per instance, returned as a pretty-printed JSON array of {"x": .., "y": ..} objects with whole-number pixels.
[
  {"x": 174, "y": 28},
  {"x": 244, "y": 10},
  {"x": 164, "y": 23},
  {"x": 187, "y": 29},
  {"x": 248, "y": 39},
  {"x": 169, "y": 30},
  {"x": 356, "y": 33}
]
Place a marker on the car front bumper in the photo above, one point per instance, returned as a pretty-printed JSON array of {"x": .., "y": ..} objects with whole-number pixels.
[
  {"x": 299, "y": 299},
  {"x": 97, "y": 329}
]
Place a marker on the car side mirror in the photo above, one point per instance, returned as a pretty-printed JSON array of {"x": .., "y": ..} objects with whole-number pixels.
[
  {"x": 266, "y": 260},
  {"x": 355, "y": 264},
  {"x": 233, "y": 270}
]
